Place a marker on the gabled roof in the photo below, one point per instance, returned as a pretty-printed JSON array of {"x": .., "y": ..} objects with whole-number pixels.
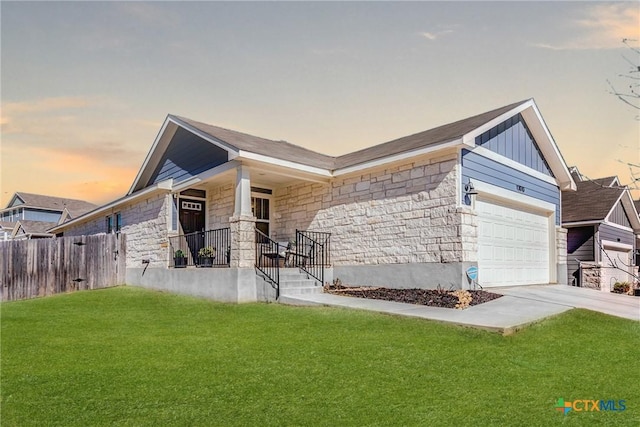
[
  {"x": 590, "y": 202},
  {"x": 39, "y": 201},
  {"x": 241, "y": 145},
  {"x": 238, "y": 141},
  {"x": 32, "y": 228},
  {"x": 596, "y": 199},
  {"x": 441, "y": 134},
  {"x": 608, "y": 181},
  {"x": 7, "y": 225},
  {"x": 284, "y": 150}
]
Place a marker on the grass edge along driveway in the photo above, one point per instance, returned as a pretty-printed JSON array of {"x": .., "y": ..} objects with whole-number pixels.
[{"x": 130, "y": 356}]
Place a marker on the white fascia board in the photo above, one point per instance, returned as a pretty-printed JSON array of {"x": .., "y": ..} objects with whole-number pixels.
[
  {"x": 400, "y": 156},
  {"x": 164, "y": 186},
  {"x": 150, "y": 153},
  {"x": 629, "y": 208},
  {"x": 621, "y": 227},
  {"x": 536, "y": 124},
  {"x": 608, "y": 244},
  {"x": 548, "y": 146},
  {"x": 514, "y": 165},
  {"x": 512, "y": 197},
  {"x": 161, "y": 134},
  {"x": 233, "y": 152},
  {"x": 580, "y": 223},
  {"x": 613, "y": 208},
  {"x": 205, "y": 175},
  {"x": 470, "y": 138},
  {"x": 284, "y": 163}
]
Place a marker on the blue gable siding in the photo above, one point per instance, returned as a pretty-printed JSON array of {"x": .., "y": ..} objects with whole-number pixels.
[
  {"x": 187, "y": 155},
  {"x": 513, "y": 140},
  {"x": 40, "y": 215},
  {"x": 475, "y": 166}
]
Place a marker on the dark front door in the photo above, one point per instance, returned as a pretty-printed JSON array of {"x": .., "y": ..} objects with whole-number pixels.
[{"x": 192, "y": 222}]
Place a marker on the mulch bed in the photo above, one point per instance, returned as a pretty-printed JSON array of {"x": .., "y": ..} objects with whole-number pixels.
[{"x": 431, "y": 297}]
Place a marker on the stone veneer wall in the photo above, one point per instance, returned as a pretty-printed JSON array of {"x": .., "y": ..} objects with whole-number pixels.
[
  {"x": 145, "y": 225},
  {"x": 220, "y": 205},
  {"x": 395, "y": 215},
  {"x": 561, "y": 256}
]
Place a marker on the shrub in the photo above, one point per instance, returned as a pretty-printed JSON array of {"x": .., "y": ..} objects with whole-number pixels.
[
  {"x": 621, "y": 287},
  {"x": 464, "y": 299},
  {"x": 179, "y": 254},
  {"x": 207, "y": 252}
]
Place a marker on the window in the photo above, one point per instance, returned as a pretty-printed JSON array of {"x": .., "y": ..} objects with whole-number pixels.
[
  {"x": 109, "y": 224},
  {"x": 260, "y": 209},
  {"x": 118, "y": 222}
]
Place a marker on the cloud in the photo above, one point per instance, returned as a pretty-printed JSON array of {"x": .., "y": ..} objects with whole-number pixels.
[
  {"x": 435, "y": 35},
  {"x": 93, "y": 128},
  {"x": 44, "y": 105},
  {"x": 149, "y": 14},
  {"x": 603, "y": 26}
]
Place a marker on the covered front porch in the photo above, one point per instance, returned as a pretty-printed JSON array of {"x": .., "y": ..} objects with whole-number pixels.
[{"x": 233, "y": 217}]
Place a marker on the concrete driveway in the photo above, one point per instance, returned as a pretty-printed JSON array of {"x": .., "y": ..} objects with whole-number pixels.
[{"x": 618, "y": 305}]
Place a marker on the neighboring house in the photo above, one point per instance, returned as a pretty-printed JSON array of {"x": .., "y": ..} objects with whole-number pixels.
[
  {"x": 636, "y": 203},
  {"x": 602, "y": 224},
  {"x": 29, "y": 216},
  {"x": 6, "y": 228},
  {"x": 417, "y": 211}
]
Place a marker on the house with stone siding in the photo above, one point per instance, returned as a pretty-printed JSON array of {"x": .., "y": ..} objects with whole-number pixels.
[
  {"x": 417, "y": 211},
  {"x": 602, "y": 223}
]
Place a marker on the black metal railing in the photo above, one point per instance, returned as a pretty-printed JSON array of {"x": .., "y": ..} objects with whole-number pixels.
[
  {"x": 312, "y": 253},
  {"x": 269, "y": 256},
  {"x": 211, "y": 248}
]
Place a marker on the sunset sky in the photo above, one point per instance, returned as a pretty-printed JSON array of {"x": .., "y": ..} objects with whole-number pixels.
[{"x": 85, "y": 86}]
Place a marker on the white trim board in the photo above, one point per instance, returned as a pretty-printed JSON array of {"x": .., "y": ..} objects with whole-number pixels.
[
  {"x": 512, "y": 197},
  {"x": 484, "y": 152}
]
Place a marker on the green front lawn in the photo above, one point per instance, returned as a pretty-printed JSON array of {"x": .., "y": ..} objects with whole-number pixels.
[{"x": 128, "y": 356}]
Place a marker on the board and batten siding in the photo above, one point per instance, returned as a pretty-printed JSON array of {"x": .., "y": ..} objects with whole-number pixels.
[
  {"x": 477, "y": 167},
  {"x": 187, "y": 155},
  {"x": 513, "y": 140},
  {"x": 619, "y": 216},
  {"x": 580, "y": 247}
]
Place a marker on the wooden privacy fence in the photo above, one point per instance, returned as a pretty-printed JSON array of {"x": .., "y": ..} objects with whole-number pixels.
[{"x": 39, "y": 267}]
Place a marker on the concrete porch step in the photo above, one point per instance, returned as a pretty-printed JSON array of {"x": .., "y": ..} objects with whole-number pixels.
[{"x": 300, "y": 290}]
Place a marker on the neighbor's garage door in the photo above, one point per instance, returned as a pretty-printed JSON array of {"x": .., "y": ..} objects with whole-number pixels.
[
  {"x": 617, "y": 263},
  {"x": 513, "y": 245}
]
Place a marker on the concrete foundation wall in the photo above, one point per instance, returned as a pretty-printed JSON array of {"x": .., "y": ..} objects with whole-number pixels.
[
  {"x": 405, "y": 276},
  {"x": 235, "y": 285}
]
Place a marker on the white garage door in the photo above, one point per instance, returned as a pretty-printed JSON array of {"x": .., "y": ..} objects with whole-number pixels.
[
  {"x": 617, "y": 263},
  {"x": 513, "y": 245}
]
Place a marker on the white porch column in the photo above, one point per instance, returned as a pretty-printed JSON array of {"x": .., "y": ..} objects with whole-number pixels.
[
  {"x": 243, "y": 192},
  {"x": 243, "y": 223}
]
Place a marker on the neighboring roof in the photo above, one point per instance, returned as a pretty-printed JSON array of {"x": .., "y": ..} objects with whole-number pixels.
[
  {"x": 74, "y": 206},
  {"x": 607, "y": 181},
  {"x": 7, "y": 225},
  {"x": 590, "y": 202},
  {"x": 34, "y": 227},
  {"x": 636, "y": 203}
]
